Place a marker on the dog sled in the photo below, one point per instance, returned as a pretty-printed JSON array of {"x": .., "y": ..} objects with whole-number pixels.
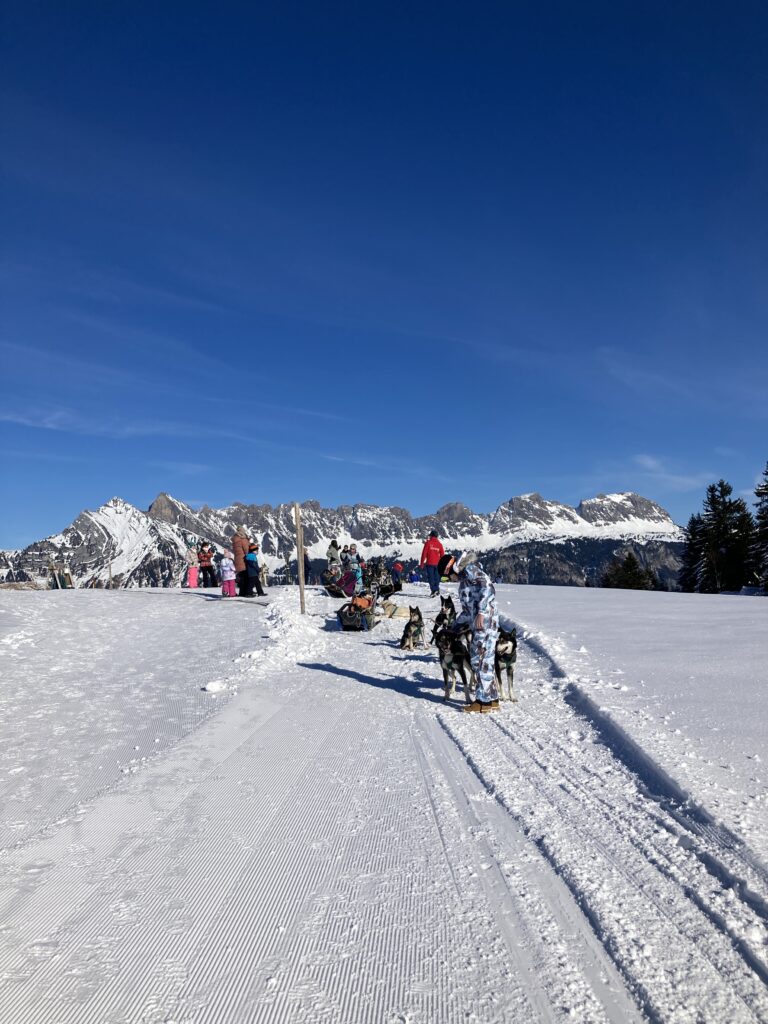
[
  {"x": 340, "y": 586},
  {"x": 358, "y": 614}
]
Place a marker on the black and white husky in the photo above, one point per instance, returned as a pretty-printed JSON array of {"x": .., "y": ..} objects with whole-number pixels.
[
  {"x": 504, "y": 662},
  {"x": 444, "y": 617},
  {"x": 454, "y": 658},
  {"x": 414, "y": 630}
]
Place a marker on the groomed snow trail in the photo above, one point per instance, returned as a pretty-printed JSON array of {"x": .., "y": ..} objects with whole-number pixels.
[{"x": 337, "y": 845}]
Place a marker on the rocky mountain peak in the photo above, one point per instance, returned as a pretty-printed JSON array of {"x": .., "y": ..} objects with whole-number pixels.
[
  {"x": 606, "y": 509},
  {"x": 164, "y": 507},
  {"x": 117, "y": 544}
]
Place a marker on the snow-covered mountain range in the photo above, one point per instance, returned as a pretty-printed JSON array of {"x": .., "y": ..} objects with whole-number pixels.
[{"x": 132, "y": 548}]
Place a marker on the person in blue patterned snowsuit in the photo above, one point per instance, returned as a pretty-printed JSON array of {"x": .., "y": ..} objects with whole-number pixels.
[{"x": 479, "y": 612}]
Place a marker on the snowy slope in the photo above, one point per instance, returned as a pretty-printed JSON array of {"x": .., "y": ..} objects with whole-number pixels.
[{"x": 338, "y": 845}]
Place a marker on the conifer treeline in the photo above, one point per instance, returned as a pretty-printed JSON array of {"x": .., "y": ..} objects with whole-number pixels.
[{"x": 726, "y": 547}]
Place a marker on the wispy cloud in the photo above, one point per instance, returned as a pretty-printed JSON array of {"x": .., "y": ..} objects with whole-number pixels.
[
  {"x": 641, "y": 381},
  {"x": 390, "y": 466},
  {"x": 37, "y": 456},
  {"x": 182, "y": 468},
  {"x": 66, "y": 276},
  {"x": 63, "y": 420},
  {"x": 153, "y": 342},
  {"x": 67, "y": 370},
  {"x": 666, "y": 478}
]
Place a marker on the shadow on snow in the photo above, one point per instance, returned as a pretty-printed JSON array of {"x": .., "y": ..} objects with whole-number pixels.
[{"x": 396, "y": 683}]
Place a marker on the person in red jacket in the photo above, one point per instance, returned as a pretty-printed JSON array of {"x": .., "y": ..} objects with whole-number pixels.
[{"x": 430, "y": 556}]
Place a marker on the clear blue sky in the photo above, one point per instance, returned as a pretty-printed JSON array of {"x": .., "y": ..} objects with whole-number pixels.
[{"x": 392, "y": 253}]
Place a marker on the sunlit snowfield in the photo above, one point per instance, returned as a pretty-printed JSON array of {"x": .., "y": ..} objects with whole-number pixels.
[{"x": 222, "y": 811}]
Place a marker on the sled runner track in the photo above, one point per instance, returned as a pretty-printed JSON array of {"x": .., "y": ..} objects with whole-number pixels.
[
  {"x": 634, "y": 909},
  {"x": 565, "y": 970},
  {"x": 666, "y": 852},
  {"x": 579, "y": 815},
  {"x": 673, "y": 800},
  {"x": 706, "y": 843}
]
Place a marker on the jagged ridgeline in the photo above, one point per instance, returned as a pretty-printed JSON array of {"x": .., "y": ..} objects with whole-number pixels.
[{"x": 526, "y": 540}]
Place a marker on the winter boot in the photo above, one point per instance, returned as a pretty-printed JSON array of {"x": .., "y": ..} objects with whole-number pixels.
[{"x": 474, "y": 706}]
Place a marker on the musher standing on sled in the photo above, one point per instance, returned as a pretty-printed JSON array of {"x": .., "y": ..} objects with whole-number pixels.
[{"x": 478, "y": 611}]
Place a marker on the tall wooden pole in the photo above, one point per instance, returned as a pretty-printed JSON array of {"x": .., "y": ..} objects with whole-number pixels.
[{"x": 300, "y": 555}]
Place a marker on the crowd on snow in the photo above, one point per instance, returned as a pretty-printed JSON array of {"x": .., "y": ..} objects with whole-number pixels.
[{"x": 242, "y": 572}]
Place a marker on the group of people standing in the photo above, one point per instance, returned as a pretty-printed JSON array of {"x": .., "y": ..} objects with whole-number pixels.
[
  {"x": 347, "y": 557},
  {"x": 240, "y": 568},
  {"x": 343, "y": 558},
  {"x": 200, "y": 569}
]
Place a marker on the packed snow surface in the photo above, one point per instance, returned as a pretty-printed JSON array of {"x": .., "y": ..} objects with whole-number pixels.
[{"x": 223, "y": 811}]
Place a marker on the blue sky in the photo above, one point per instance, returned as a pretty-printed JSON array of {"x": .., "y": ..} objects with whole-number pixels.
[{"x": 402, "y": 254}]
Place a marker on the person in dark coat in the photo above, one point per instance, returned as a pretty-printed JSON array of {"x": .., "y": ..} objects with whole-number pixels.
[
  {"x": 207, "y": 572},
  {"x": 307, "y": 568},
  {"x": 240, "y": 544}
]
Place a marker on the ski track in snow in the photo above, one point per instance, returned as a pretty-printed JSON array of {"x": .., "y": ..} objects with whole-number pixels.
[{"x": 336, "y": 844}]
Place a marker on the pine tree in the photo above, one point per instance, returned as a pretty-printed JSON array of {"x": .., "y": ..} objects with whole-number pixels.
[
  {"x": 688, "y": 579},
  {"x": 760, "y": 542},
  {"x": 629, "y": 575},
  {"x": 727, "y": 531}
]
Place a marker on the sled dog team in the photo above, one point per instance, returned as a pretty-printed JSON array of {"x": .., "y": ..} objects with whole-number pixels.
[
  {"x": 453, "y": 642},
  {"x": 472, "y": 643}
]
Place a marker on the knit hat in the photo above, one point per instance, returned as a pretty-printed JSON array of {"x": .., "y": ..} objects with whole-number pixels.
[{"x": 466, "y": 559}]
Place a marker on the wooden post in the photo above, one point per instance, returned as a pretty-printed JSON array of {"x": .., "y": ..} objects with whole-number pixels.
[{"x": 300, "y": 555}]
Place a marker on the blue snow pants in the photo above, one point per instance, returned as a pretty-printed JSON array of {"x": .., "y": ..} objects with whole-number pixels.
[{"x": 482, "y": 655}]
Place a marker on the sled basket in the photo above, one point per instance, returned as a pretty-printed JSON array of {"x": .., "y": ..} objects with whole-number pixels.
[{"x": 352, "y": 618}]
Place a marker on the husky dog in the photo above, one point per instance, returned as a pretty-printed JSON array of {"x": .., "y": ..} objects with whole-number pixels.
[
  {"x": 444, "y": 617},
  {"x": 414, "y": 630},
  {"x": 504, "y": 661},
  {"x": 454, "y": 657}
]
